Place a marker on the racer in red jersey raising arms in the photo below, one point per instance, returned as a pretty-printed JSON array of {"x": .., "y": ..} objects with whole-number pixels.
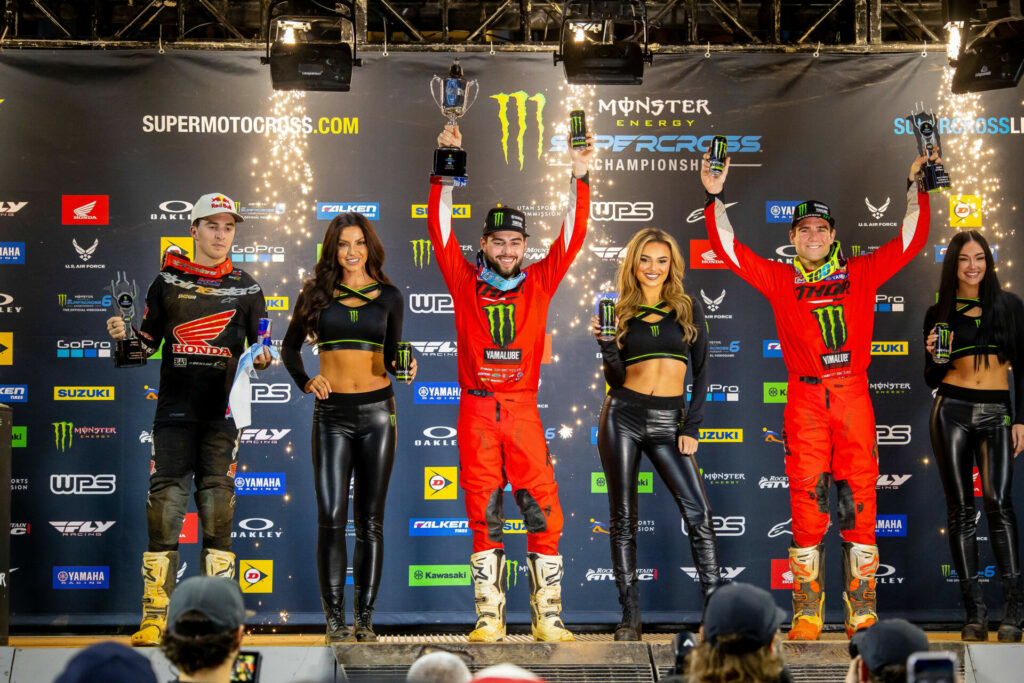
[
  {"x": 824, "y": 312},
  {"x": 501, "y": 312}
]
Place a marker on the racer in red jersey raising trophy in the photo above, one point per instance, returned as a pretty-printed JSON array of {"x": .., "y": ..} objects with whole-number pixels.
[
  {"x": 824, "y": 311},
  {"x": 501, "y": 311}
]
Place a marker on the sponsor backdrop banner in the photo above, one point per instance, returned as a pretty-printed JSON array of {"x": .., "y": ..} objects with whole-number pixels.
[{"x": 104, "y": 153}]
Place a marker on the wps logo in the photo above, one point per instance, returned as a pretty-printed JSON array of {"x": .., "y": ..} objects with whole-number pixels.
[
  {"x": 85, "y": 209},
  {"x": 83, "y": 484},
  {"x": 965, "y": 211},
  {"x": 520, "y": 99},
  {"x": 63, "y": 435},
  {"x": 880, "y": 348},
  {"x": 892, "y": 435},
  {"x": 439, "y": 483},
  {"x": 458, "y": 211},
  {"x": 256, "y": 576},
  {"x": 702, "y": 255},
  {"x": 724, "y": 526},
  {"x": 277, "y": 303},
  {"x": 501, "y": 320},
  {"x": 622, "y": 211},
  {"x": 271, "y": 393},
  {"x": 832, "y": 325},
  {"x": 431, "y": 303},
  {"x": 193, "y": 336},
  {"x": 421, "y": 253}
]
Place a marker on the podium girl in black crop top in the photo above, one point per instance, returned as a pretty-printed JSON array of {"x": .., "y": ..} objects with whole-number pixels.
[
  {"x": 353, "y": 314},
  {"x": 660, "y": 332},
  {"x": 973, "y": 421}
]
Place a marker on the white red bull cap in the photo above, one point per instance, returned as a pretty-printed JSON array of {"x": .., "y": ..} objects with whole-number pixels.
[{"x": 214, "y": 203}]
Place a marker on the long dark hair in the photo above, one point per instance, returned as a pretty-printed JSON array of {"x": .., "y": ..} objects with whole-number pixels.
[
  {"x": 318, "y": 291},
  {"x": 996, "y": 324}
]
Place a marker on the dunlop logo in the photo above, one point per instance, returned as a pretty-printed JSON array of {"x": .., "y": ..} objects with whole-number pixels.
[{"x": 520, "y": 98}]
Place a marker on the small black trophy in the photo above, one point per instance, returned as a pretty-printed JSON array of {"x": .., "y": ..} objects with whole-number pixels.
[
  {"x": 454, "y": 95},
  {"x": 128, "y": 351},
  {"x": 933, "y": 175}
]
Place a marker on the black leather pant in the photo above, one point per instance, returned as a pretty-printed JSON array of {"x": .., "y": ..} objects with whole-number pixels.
[
  {"x": 353, "y": 436},
  {"x": 964, "y": 433},
  {"x": 183, "y": 451},
  {"x": 632, "y": 424}
]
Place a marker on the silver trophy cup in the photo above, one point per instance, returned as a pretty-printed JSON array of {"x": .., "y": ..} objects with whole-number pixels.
[{"x": 454, "y": 95}]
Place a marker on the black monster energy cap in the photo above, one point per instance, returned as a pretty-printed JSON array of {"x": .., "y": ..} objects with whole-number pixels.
[
  {"x": 504, "y": 218},
  {"x": 813, "y": 209}
]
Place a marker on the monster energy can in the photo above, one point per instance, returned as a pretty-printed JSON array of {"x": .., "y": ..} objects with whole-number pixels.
[
  {"x": 943, "y": 343},
  {"x": 577, "y": 128},
  {"x": 717, "y": 154},
  {"x": 606, "y": 318},
  {"x": 403, "y": 364}
]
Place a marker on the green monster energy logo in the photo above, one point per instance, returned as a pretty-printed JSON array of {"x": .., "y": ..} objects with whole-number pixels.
[
  {"x": 855, "y": 249},
  {"x": 393, "y": 419},
  {"x": 832, "y": 325},
  {"x": 420, "y": 250},
  {"x": 511, "y": 573},
  {"x": 63, "y": 434},
  {"x": 499, "y": 218},
  {"x": 520, "y": 99},
  {"x": 654, "y": 330},
  {"x": 502, "y": 321},
  {"x": 353, "y": 316}
]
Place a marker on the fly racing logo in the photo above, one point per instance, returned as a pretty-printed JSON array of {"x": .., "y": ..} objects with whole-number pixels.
[
  {"x": 85, "y": 254},
  {"x": 520, "y": 98},
  {"x": 622, "y": 211},
  {"x": 728, "y": 573},
  {"x": 256, "y": 435},
  {"x": 877, "y": 211},
  {"x": 85, "y": 528},
  {"x": 435, "y": 348},
  {"x": 832, "y": 325},
  {"x": 420, "y": 253},
  {"x": 655, "y": 330},
  {"x": 353, "y": 316},
  {"x": 891, "y": 481},
  {"x": 501, "y": 320},
  {"x": 608, "y": 253},
  {"x": 63, "y": 435},
  {"x": 194, "y": 336},
  {"x": 11, "y": 208}
]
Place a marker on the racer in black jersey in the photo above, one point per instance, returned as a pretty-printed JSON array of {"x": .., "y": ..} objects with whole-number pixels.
[{"x": 202, "y": 312}]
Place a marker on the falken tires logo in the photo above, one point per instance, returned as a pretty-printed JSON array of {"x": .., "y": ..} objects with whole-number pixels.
[
  {"x": 501, "y": 321},
  {"x": 520, "y": 99},
  {"x": 193, "y": 336}
]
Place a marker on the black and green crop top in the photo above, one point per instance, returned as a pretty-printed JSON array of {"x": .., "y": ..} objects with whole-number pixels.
[
  {"x": 655, "y": 333},
  {"x": 966, "y": 331},
  {"x": 375, "y": 325}
]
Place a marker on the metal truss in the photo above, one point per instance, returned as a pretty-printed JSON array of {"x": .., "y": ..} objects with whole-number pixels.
[{"x": 522, "y": 25}]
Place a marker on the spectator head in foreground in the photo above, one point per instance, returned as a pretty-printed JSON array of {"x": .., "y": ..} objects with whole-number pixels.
[
  {"x": 205, "y": 623},
  {"x": 741, "y": 625},
  {"x": 109, "y": 662},
  {"x": 880, "y": 652},
  {"x": 439, "y": 667},
  {"x": 505, "y": 673}
]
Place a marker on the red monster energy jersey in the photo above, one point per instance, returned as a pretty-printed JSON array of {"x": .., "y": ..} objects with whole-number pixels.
[
  {"x": 501, "y": 333},
  {"x": 824, "y": 327}
]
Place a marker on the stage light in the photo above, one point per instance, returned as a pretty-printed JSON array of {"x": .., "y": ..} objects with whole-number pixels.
[
  {"x": 598, "y": 42},
  {"x": 303, "y": 58},
  {"x": 985, "y": 44},
  {"x": 989, "y": 64}
]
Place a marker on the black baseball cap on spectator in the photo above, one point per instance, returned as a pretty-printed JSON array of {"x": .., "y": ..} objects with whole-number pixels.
[
  {"x": 216, "y": 598},
  {"x": 503, "y": 218},
  {"x": 812, "y": 208},
  {"x": 110, "y": 662},
  {"x": 890, "y": 641},
  {"x": 739, "y": 609}
]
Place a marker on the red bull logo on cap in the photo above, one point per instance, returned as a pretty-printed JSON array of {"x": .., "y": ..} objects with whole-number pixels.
[{"x": 222, "y": 202}]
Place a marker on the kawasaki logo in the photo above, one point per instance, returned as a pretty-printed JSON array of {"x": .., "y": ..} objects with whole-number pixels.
[
  {"x": 63, "y": 435},
  {"x": 420, "y": 253},
  {"x": 832, "y": 325},
  {"x": 520, "y": 98},
  {"x": 502, "y": 322}
]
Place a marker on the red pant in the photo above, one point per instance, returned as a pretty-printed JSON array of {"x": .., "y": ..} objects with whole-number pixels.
[
  {"x": 501, "y": 441},
  {"x": 830, "y": 434}
]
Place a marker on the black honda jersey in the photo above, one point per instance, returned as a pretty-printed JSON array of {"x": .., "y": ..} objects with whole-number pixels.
[{"x": 203, "y": 316}]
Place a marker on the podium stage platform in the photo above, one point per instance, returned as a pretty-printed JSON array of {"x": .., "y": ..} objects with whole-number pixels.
[{"x": 593, "y": 658}]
